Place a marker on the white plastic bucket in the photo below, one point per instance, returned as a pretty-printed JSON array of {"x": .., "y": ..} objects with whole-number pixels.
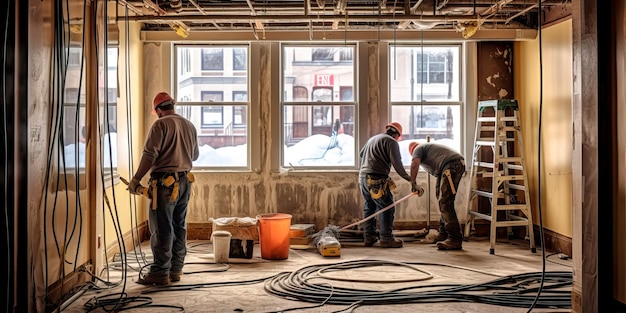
[{"x": 221, "y": 245}]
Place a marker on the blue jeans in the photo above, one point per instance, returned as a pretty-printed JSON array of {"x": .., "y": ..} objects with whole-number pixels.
[
  {"x": 168, "y": 228},
  {"x": 372, "y": 206}
]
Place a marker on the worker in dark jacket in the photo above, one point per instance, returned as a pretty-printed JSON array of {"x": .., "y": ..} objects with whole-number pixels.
[
  {"x": 170, "y": 149},
  {"x": 448, "y": 166},
  {"x": 377, "y": 156}
]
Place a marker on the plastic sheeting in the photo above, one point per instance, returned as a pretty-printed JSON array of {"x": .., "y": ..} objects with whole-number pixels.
[{"x": 244, "y": 228}]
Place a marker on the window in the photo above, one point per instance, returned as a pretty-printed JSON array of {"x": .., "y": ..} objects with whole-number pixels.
[
  {"x": 185, "y": 62},
  {"x": 425, "y": 88},
  {"x": 323, "y": 54},
  {"x": 212, "y": 116},
  {"x": 216, "y": 103},
  {"x": 318, "y": 107},
  {"x": 74, "y": 131},
  {"x": 212, "y": 59},
  {"x": 240, "y": 60}
]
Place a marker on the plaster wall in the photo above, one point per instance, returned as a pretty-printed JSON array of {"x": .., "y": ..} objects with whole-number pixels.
[{"x": 555, "y": 144}]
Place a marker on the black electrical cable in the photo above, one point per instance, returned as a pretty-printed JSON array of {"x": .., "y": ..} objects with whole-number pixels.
[
  {"x": 55, "y": 59},
  {"x": 505, "y": 291},
  {"x": 110, "y": 303},
  {"x": 5, "y": 157},
  {"x": 539, "y": 192},
  {"x": 129, "y": 123},
  {"x": 77, "y": 202},
  {"x": 179, "y": 287}
]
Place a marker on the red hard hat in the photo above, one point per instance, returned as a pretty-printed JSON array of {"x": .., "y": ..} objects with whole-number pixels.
[
  {"x": 412, "y": 146},
  {"x": 160, "y": 98},
  {"x": 397, "y": 126}
]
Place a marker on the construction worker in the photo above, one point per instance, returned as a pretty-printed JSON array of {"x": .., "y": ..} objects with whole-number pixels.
[
  {"x": 377, "y": 156},
  {"x": 448, "y": 166},
  {"x": 170, "y": 148}
]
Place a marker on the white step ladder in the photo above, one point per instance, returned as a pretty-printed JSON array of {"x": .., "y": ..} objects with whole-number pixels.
[{"x": 498, "y": 172}]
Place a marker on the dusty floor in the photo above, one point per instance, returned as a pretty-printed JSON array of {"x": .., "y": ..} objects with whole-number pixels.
[{"x": 427, "y": 267}]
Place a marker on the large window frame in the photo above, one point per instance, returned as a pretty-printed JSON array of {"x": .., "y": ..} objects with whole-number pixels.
[
  {"x": 426, "y": 96},
  {"x": 318, "y": 85},
  {"x": 215, "y": 99}
]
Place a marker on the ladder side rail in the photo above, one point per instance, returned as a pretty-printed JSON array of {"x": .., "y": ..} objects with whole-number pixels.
[{"x": 530, "y": 228}]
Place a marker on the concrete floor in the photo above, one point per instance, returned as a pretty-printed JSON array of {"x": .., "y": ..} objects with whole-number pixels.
[{"x": 472, "y": 265}]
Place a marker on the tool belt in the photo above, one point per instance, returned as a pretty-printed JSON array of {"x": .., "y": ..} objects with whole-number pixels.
[
  {"x": 446, "y": 173},
  {"x": 378, "y": 186},
  {"x": 167, "y": 180}
]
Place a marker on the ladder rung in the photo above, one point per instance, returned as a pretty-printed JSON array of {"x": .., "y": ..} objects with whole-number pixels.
[
  {"x": 487, "y": 128},
  {"x": 508, "y": 118},
  {"x": 485, "y": 143},
  {"x": 480, "y": 215},
  {"x": 513, "y": 167},
  {"x": 517, "y": 218},
  {"x": 510, "y": 177},
  {"x": 484, "y": 173},
  {"x": 509, "y": 207},
  {"x": 516, "y": 187},
  {"x": 483, "y": 164},
  {"x": 501, "y": 139},
  {"x": 482, "y": 193},
  {"x": 510, "y": 223},
  {"x": 486, "y": 119},
  {"x": 510, "y": 160}
]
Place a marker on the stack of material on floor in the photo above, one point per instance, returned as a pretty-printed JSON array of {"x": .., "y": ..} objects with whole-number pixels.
[
  {"x": 326, "y": 241},
  {"x": 242, "y": 229},
  {"x": 299, "y": 234}
]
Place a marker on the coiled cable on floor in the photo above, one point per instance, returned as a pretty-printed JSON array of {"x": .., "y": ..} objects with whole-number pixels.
[{"x": 510, "y": 291}]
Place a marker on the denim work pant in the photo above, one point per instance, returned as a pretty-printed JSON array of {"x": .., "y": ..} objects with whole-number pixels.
[
  {"x": 372, "y": 206},
  {"x": 449, "y": 223},
  {"x": 168, "y": 229}
]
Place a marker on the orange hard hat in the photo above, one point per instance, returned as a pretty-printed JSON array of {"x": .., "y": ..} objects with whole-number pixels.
[
  {"x": 160, "y": 98},
  {"x": 397, "y": 126},
  {"x": 412, "y": 146}
]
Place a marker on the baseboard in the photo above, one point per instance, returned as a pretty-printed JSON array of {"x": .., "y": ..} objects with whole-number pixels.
[
  {"x": 140, "y": 234},
  {"x": 64, "y": 288},
  {"x": 554, "y": 241},
  {"x": 199, "y": 230}
]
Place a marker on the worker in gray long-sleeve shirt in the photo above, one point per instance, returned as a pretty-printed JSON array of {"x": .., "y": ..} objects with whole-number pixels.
[
  {"x": 169, "y": 151},
  {"x": 377, "y": 156},
  {"x": 448, "y": 166}
]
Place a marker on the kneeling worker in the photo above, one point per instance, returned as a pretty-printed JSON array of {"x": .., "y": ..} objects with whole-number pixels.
[{"x": 448, "y": 166}]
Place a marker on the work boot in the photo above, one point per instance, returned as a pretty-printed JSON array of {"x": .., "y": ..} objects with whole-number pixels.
[
  {"x": 450, "y": 244},
  {"x": 370, "y": 240},
  {"x": 153, "y": 280},
  {"x": 391, "y": 243},
  {"x": 175, "y": 275}
]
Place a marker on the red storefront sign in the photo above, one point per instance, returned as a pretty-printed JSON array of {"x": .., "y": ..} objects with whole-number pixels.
[{"x": 324, "y": 80}]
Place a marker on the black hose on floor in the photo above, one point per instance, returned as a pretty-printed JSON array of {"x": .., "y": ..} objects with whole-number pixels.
[{"x": 511, "y": 291}]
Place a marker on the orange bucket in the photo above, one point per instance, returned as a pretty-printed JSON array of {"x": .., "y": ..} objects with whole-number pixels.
[{"x": 274, "y": 235}]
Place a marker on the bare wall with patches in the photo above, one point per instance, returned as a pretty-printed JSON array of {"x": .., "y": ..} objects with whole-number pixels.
[{"x": 495, "y": 70}]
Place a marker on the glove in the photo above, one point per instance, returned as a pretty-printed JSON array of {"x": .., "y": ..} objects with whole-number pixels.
[
  {"x": 416, "y": 188},
  {"x": 133, "y": 186}
]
